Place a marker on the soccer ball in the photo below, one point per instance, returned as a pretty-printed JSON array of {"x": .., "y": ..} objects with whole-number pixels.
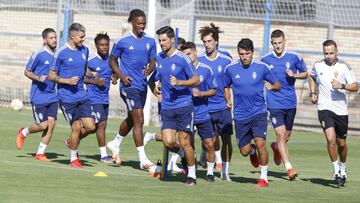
[
  {"x": 16, "y": 105},
  {"x": 155, "y": 171}
]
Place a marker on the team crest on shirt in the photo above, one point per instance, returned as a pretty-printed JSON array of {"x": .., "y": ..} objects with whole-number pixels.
[
  {"x": 41, "y": 116},
  {"x": 147, "y": 46},
  {"x": 46, "y": 62},
  {"x": 274, "y": 121},
  {"x": 173, "y": 66},
  {"x": 201, "y": 77},
  {"x": 287, "y": 65},
  {"x": 83, "y": 56},
  {"x": 219, "y": 69},
  {"x": 254, "y": 75}
]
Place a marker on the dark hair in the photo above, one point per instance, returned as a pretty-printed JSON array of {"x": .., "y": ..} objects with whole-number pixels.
[
  {"x": 166, "y": 30},
  {"x": 77, "y": 27},
  {"x": 329, "y": 42},
  {"x": 246, "y": 44},
  {"x": 188, "y": 45},
  {"x": 181, "y": 40},
  {"x": 212, "y": 29},
  {"x": 277, "y": 33},
  {"x": 101, "y": 36},
  {"x": 46, "y": 32},
  {"x": 136, "y": 13}
]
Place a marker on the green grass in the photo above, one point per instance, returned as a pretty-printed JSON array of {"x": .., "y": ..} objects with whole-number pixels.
[{"x": 23, "y": 179}]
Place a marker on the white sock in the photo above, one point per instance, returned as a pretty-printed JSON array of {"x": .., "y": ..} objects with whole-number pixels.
[
  {"x": 73, "y": 155},
  {"x": 288, "y": 166},
  {"x": 252, "y": 151},
  {"x": 41, "y": 148},
  {"x": 181, "y": 153},
  {"x": 174, "y": 157},
  {"x": 192, "y": 172},
  {"x": 210, "y": 168},
  {"x": 336, "y": 167},
  {"x": 218, "y": 157},
  {"x": 152, "y": 136},
  {"x": 264, "y": 170},
  {"x": 25, "y": 132},
  {"x": 142, "y": 155},
  {"x": 342, "y": 167},
  {"x": 118, "y": 139},
  {"x": 103, "y": 152},
  {"x": 225, "y": 168}
]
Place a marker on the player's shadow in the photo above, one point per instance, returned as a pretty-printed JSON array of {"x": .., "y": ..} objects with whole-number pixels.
[
  {"x": 175, "y": 177},
  {"x": 130, "y": 163},
  {"x": 275, "y": 174},
  {"x": 94, "y": 157},
  {"x": 239, "y": 179},
  {"x": 49, "y": 155},
  {"x": 320, "y": 181}
]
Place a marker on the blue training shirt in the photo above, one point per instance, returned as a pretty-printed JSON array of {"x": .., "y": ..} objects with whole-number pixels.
[
  {"x": 180, "y": 66},
  {"x": 247, "y": 85},
  {"x": 68, "y": 63},
  {"x": 207, "y": 82},
  {"x": 285, "y": 98},
  {"x": 97, "y": 94},
  {"x": 39, "y": 63},
  {"x": 217, "y": 102},
  {"x": 134, "y": 55}
]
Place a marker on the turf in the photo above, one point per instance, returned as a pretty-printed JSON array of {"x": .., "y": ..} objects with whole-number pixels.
[{"x": 23, "y": 179}]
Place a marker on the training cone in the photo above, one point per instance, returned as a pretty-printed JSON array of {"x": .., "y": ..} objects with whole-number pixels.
[{"x": 101, "y": 174}]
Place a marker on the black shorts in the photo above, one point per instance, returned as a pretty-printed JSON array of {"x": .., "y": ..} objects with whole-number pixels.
[{"x": 329, "y": 119}]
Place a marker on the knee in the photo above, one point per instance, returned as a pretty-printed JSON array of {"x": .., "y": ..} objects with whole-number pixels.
[
  {"x": 244, "y": 151},
  {"x": 90, "y": 128},
  {"x": 342, "y": 144},
  {"x": 209, "y": 145},
  {"x": 43, "y": 125},
  {"x": 169, "y": 144}
]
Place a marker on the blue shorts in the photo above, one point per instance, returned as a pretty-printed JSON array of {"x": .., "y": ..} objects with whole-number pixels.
[
  {"x": 250, "y": 128},
  {"x": 41, "y": 112},
  {"x": 133, "y": 98},
  {"x": 178, "y": 119},
  {"x": 279, "y": 117},
  {"x": 205, "y": 129},
  {"x": 222, "y": 123},
  {"x": 76, "y": 110},
  {"x": 100, "y": 111}
]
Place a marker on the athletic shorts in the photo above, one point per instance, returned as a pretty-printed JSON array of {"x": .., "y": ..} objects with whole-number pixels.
[
  {"x": 76, "y": 110},
  {"x": 133, "y": 98},
  {"x": 329, "y": 119},
  {"x": 222, "y": 123},
  {"x": 178, "y": 119},
  {"x": 249, "y": 129},
  {"x": 41, "y": 112},
  {"x": 205, "y": 129},
  {"x": 279, "y": 117},
  {"x": 100, "y": 112}
]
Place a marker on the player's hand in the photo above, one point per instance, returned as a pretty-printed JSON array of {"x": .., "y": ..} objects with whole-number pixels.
[
  {"x": 229, "y": 105},
  {"x": 289, "y": 73},
  {"x": 94, "y": 74},
  {"x": 173, "y": 80},
  {"x": 126, "y": 80},
  {"x": 159, "y": 98},
  {"x": 114, "y": 79},
  {"x": 157, "y": 90},
  {"x": 147, "y": 71},
  {"x": 42, "y": 78},
  {"x": 196, "y": 92},
  {"x": 335, "y": 84},
  {"x": 73, "y": 80},
  {"x": 313, "y": 98},
  {"x": 100, "y": 82},
  {"x": 268, "y": 85}
]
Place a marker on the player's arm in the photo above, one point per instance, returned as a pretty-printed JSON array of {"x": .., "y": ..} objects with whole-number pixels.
[
  {"x": 150, "y": 68},
  {"x": 34, "y": 77},
  {"x": 95, "y": 78},
  {"x": 53, "y": 76},
  {"x": 208, "y": 93},
  {"x": 302, "y": 75},
  {"x": 227, "y": 95},
  {"x": 114, "y": 65},
  {"x": 193, "y": 81},
  {"x": 312, "y": 87},
  {"x": 275, "y": 86}
]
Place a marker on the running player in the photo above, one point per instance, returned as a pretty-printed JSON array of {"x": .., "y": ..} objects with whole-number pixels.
[
  {"x": 334, "y": 77},
  {"x": 43, "y": 95},
  {"x": 246, "y": 78},
  {"x": 176, "y": 74},
  {"x": 68, "y": 71},
  {"x": 137, "y": 52},
  {"x": 220, "y": 115},
  {"x": 287, "y": 66}
]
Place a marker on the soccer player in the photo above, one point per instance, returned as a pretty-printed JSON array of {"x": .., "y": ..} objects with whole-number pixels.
[
  {"x": 287, "y": 66},
  {"x": 220, "y": 115},
  {"x": 334, "y": 77},
  {"x": 68, "y": 71},
  {"x": 246, "y": 78},
  {"x": 181, "y": 41},
  {"x": 176, "y": 74},
  {"x": 137, "y": 52},
  {"x": 98, "y": 86},
  {"x": 43, "y": 95},
  {"x": 202, "y": 119}
]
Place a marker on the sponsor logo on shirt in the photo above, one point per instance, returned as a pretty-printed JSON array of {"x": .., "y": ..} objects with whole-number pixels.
[
  {"x": 131, "y": 48},
  {"x": 237, "y": 76},
  {"x": 98, "y": 68},
  {"x": 46, "y": 62},
  {"x": 70, "y": 59},
  {"x": 188, "y": 126}
]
